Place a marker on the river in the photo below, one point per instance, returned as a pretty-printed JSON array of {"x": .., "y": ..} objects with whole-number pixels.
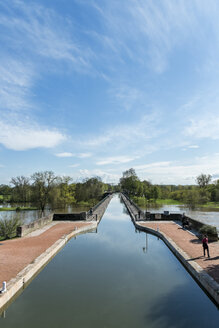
[{"x": 116, "y": 277}]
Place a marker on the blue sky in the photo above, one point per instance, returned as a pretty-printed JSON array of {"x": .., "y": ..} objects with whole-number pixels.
[{"x": 95, "y": 87}]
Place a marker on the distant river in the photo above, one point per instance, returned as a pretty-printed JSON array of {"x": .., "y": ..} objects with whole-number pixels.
[{"x": 30, "y": 216}]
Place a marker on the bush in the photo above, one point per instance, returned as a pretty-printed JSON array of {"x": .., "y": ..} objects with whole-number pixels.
[
  {"x": 8, "y": 227},
  {"x": 208, "y": 230}
]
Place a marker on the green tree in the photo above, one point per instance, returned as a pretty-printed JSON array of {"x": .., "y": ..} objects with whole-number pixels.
[
  {"x": 130, "y": 182},
  {"x": 203, "y": 180},
  {"x": 43, "y": 186},
  {"x": 21, "y": 190}
]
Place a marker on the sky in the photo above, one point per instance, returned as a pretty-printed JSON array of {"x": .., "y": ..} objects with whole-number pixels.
[{"x": 95, "y": 87}]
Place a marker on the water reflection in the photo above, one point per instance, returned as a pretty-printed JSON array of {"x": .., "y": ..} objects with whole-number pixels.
[{"x": 30, "y": 216}]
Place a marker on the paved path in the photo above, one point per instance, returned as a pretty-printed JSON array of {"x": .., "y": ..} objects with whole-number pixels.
[
  {"x": 17, "y": 253},
  {"x": 189, "y": 243}
]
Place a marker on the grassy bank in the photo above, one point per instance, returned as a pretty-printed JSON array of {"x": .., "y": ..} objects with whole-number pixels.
[{"x": 18, "y": 208}]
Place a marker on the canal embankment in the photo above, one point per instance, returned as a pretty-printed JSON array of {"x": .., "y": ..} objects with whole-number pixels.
[
  {"x": 22, "y": 258},
  {"x": 185, "y": 245}
]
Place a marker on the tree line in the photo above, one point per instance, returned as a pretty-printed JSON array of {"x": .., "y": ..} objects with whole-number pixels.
[
  {"x": 46, "y": 190},
  {"x": 190, "y": 195}
]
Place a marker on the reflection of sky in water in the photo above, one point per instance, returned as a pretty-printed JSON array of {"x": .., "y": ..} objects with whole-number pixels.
[{"x": 113, "y": 278}]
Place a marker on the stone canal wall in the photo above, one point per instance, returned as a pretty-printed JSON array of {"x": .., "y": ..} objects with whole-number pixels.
[
  {"x": 94, "y": 215},
  {"x": 27, "y": 228}
]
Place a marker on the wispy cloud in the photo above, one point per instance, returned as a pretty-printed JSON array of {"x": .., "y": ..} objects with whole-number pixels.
[
  {"x": 84, "y": 155},
  {"x": 68, "y": 154},
  {"x": 43, "y": 31},
  {"x": 74, "y": 165},
  {"x": 64, "y": 154},
  {"x": 119, "y": 136},
  {"x": 115, "y": 160},
  {"x": 103, "y": 174},
  {"x": 204, "y": 127}
]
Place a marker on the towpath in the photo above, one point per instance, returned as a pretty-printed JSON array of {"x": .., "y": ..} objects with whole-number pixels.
[
  {"x": 190, "y": 244},
  {"x": 17, "y": 253}
]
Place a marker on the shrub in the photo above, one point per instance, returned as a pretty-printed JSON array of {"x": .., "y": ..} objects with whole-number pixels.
[
  {"x": 208, "y": 229},
  {"x": 8, "y": 227}
]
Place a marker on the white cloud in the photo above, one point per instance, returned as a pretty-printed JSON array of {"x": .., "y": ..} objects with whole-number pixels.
[
  {"x": 193, "y": 146},
  {"x": 74, "y": 165},
  {"x": 64, "y": 154},
  {"x": 106, "y": 176},
  {"x": 204, "y": 127},
  {"x": 21, "y": 137},
  {"x": 115, "y": 160},
  {"x": 174, "y": 172},
  {"x": 84, "y": 155},
  {"x": 68, "y": 154}
]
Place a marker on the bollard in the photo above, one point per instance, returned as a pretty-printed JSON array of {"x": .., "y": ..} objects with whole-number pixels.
[
  {"x": 4, "y": 287},
  {"x": 157, "y": 229},
  {"x": 96, "y": 217}
]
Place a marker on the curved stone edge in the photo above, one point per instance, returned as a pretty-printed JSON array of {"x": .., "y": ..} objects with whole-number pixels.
[
  {"x": 210, "y": 286},
  {"x": 17, "y": 283}
]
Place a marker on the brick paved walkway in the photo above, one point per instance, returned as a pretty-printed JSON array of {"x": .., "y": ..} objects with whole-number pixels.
[
  {"x": 191, "y": 245},
  {"x": 17, "y": 253}
]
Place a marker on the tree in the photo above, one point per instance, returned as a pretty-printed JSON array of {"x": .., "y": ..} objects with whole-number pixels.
[
  {"x": 90, "y": 190},
  {"x": 130, "y": 182},
  {"x": 43, "y": 185},
  {"x": 203, "y": 180},
  {"x": 21, "y": 191}
]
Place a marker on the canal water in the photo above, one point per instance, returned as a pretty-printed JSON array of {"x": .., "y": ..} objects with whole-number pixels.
[{"x": 116, "y": 277}]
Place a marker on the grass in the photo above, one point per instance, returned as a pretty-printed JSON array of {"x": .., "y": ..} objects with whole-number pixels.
[
  {"x": 169, "y": 202},
  {"x": 18, "y": 208},
  {"x": 211, "y": 205}
]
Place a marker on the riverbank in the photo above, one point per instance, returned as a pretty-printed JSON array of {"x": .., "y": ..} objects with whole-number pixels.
[{"x": 187, "y": 248}]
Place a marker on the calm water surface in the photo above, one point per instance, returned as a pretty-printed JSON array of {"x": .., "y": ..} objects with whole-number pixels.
[
  {"x": 113, "y": 278},
  {"x": 30, "y": 216}
]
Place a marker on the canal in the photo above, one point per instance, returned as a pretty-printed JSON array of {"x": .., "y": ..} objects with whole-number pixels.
[{"x": 116, "y": 277}]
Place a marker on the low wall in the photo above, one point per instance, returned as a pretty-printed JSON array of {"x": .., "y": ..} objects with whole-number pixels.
[
  {"x": 70, "y": 216},
  {"x": 27, "y": 228}
]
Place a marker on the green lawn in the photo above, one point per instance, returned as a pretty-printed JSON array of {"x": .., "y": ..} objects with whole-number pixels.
[
  {"x": 211, "y": 205},
  {"x": 168, "y": 202},
  {"x": 20, "y": 208}
]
